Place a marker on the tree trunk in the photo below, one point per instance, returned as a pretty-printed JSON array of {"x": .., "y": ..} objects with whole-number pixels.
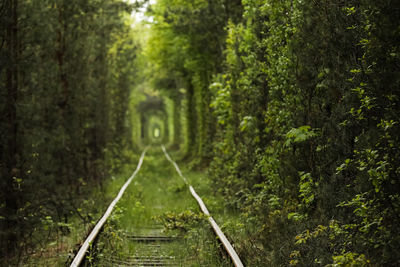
[
  {"x": 177, "y": 122},
  {"x": 10, "y": 169},
  {"x": 191, "y": 120}
]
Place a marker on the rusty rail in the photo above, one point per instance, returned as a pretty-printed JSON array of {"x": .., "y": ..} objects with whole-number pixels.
[
  {"x": 225, "y": 242},
  {"x": 89, "y": 240}
]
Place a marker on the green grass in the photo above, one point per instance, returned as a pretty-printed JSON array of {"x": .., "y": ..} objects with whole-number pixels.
[
  {"x": 57, "y": 249},
  {"x": 229, "y": 220},
  {"x": 156, "y": 199},
  {"x": 159, "y": 199}
]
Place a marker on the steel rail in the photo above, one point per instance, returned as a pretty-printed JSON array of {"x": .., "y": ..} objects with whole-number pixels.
[
  {"x": 89, "y": 240},
  {"x": 228, "y": 247}
]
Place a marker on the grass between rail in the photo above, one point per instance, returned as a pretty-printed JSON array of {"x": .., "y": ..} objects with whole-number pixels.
[
  {"x": 158, "y": 201},
  {"x": 156, "y": 198},
  {"x": 228, "y": 219}
]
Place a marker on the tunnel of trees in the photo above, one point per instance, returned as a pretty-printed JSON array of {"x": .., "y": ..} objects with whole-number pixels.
[
  {"x": 291, "y": 108},
  {"x": 153, "y": 118}
]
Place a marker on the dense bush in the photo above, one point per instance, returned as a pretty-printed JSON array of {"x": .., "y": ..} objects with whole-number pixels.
[
  {"x": 65, "y": 79},
  {"x": 304, "y": 121}
]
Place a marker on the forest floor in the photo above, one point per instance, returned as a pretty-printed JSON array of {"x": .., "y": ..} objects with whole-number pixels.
[{"x": 158, "y": 204}]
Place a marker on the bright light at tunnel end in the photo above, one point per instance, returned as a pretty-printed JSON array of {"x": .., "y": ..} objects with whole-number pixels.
[{"x": 156, "y": 132}]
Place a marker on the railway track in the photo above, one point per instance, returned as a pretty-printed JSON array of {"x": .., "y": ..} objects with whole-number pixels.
[
  {"x": 151, "y": 246},
  {"x": 149, "y": 249}
]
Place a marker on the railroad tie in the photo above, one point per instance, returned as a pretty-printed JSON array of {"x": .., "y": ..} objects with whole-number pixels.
[{"x": 149, "y": 253}]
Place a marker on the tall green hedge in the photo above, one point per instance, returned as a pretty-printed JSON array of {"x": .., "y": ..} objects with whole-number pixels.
[{"x": 295, "y": 105}]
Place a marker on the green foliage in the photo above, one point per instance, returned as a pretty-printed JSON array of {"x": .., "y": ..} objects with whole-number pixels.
[
  {"x": 67, "y": 71},
  {"x": 310, "y": 132},
  {"x": 294, "y": 105},
  {"x": 298, "y": 135},
  {"x": 220, "y": 104},
  {"x": 350, "y": 259},
  {"x": 183, "y": 221},
  {"x": 185, "y": 54}
]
